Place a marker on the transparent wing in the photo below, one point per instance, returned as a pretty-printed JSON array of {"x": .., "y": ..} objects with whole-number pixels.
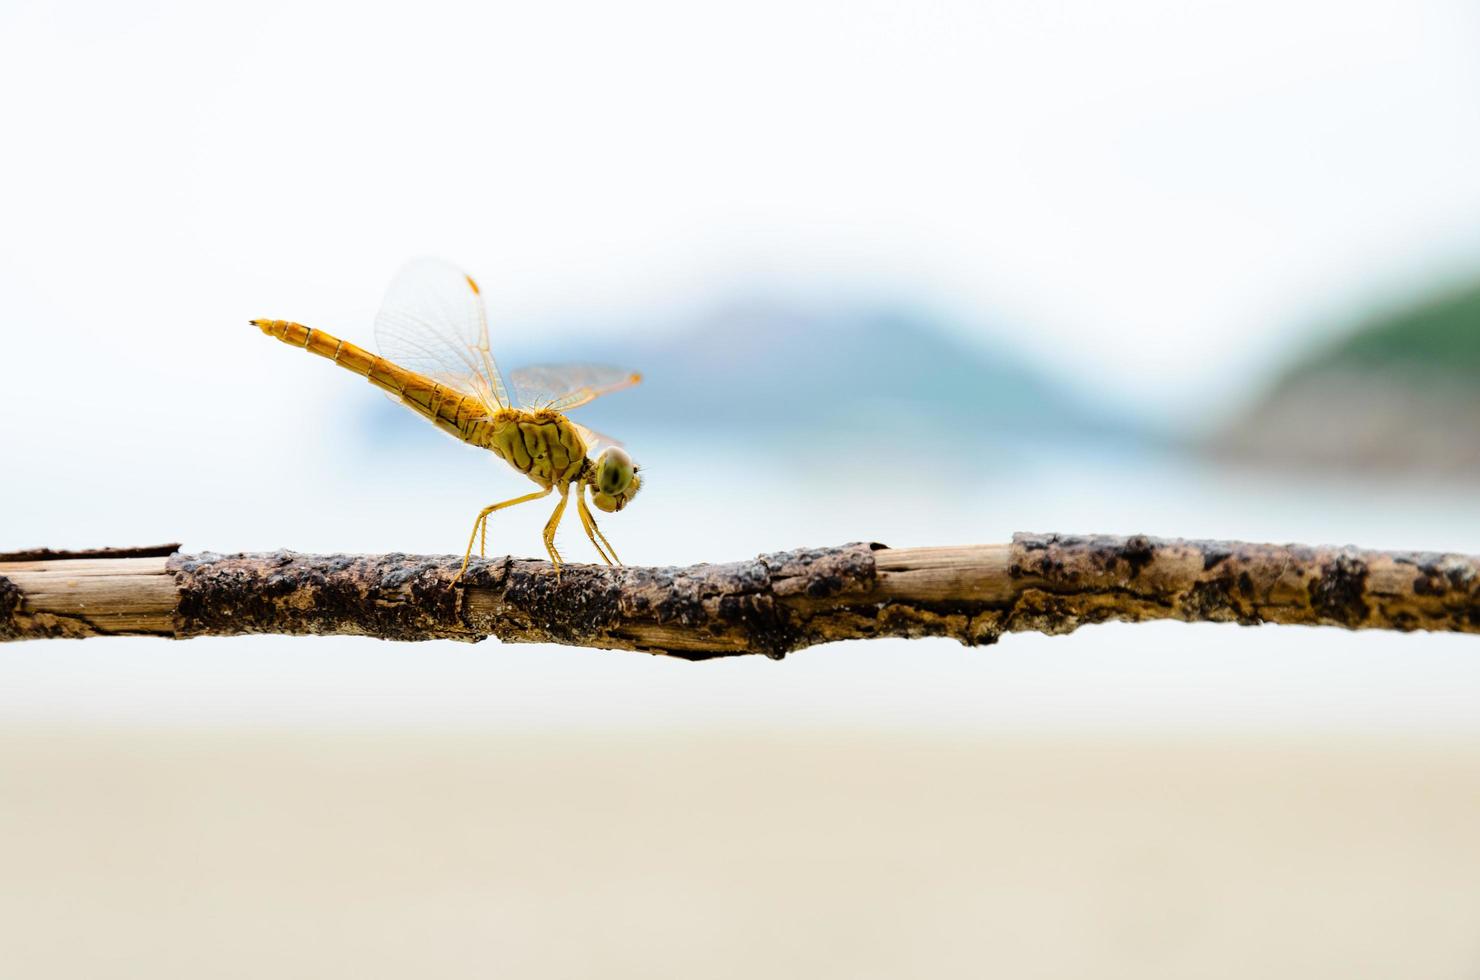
[
  {"x": 433, "y": 322},
  {"x": 595, "y": 441},
  {"x": 562, "y": 387}
]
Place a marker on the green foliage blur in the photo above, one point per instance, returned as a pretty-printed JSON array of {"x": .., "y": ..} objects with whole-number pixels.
[{"x": 1441, "y": 333}]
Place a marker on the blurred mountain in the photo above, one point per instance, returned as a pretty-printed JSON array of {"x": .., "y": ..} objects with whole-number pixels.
[
  {"x": 1400, "y": 392},
  {"x": 761, "y": 372}
]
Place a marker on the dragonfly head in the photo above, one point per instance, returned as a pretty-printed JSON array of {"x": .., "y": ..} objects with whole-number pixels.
[{"x": 614, "y": 480}]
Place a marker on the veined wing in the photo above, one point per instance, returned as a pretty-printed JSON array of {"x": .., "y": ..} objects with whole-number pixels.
[
  {"x": 561, "y": 387},
  {"x": 433, "y": 322}
]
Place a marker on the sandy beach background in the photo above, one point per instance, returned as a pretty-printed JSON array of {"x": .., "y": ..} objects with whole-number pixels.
[{"x": 126, "y": 853}]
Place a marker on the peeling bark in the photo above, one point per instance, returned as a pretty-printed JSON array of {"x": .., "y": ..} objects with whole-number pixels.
[{"x": 771, "y": 605}]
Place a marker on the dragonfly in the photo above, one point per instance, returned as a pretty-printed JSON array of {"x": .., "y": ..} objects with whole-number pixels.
[{"x": 432, "y": 331}]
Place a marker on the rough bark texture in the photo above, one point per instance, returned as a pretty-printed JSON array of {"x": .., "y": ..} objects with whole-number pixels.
[
  {"x": 770, "y": 605},
  {"x": 1066, "y": 582}
]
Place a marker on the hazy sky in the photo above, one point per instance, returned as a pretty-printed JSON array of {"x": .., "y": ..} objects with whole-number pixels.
[
  {"x": 1155, "y": 195},
  {"x": 1149, "y": 191}
]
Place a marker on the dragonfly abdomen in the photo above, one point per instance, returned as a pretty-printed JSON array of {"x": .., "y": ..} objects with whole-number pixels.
[{"x": 452, "y": 410}]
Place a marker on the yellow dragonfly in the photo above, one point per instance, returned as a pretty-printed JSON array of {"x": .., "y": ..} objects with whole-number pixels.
[{"x": 432, "y": 331}]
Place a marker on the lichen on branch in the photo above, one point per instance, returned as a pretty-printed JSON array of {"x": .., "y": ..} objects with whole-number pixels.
[{"x": 770, "y": 605}]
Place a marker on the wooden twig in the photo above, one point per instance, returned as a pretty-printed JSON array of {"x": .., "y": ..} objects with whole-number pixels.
[
  {"x": 770, "y": 605},
  {"x": 52, "y": 554}
]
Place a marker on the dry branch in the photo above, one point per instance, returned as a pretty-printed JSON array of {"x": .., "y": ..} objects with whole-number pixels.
[{"x": 772, "y": 604}]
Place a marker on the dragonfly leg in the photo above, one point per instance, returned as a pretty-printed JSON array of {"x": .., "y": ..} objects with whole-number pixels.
[
  {"x": 588, "y": 523},
  {"x": 588, "y": 520},
  {"x": 481, "y": 523},
  {"x": 553, "y": 524}
]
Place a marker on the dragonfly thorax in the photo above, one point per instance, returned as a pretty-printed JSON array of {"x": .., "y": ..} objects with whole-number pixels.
[
  {"x": 550, "y": 450},
  {"x": 542, "y": 445}
]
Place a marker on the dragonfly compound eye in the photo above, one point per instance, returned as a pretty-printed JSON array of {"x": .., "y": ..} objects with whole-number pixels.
[{"x": 614, "y": 471}]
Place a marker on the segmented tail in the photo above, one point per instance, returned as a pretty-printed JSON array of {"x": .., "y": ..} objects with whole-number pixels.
[{"x": 454, "y": 411}]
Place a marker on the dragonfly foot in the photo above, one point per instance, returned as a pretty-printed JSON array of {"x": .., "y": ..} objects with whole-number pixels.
[{"x": 480, "y": 526}]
